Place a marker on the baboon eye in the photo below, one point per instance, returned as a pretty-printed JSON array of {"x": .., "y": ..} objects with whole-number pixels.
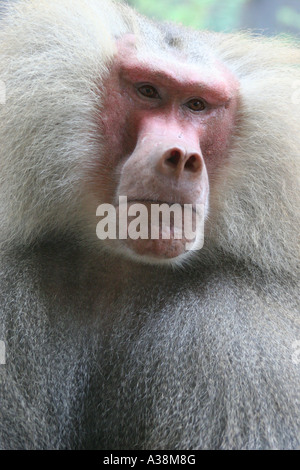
[
  {"x": 148, "y": 91},
  {"x": 196, "y": 104}
]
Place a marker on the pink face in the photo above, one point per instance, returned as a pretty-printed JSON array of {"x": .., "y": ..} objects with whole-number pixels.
[{"x": 167, "y": 127}]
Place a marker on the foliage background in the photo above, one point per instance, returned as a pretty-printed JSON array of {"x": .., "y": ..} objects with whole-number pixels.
[{"x": 266, "y": 16}]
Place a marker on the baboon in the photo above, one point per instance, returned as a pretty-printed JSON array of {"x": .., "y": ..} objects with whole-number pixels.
[{"x": 140, "y": 343}]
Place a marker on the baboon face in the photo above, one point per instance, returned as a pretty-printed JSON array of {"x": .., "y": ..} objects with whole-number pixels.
[{"x": 166, "y": 126}]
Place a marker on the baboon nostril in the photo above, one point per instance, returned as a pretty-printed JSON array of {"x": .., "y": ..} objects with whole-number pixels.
[
  {"x": 193, "y": 164},
  {"x": 174, "y": 158}
]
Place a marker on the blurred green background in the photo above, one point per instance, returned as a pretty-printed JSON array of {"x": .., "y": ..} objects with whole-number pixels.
[{"x": 266, "y": 16}]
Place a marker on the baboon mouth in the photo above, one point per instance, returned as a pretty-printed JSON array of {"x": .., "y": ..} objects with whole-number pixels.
[
  {"x": 156, "y": 228},
  {"x": 160, "y": 202}
]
